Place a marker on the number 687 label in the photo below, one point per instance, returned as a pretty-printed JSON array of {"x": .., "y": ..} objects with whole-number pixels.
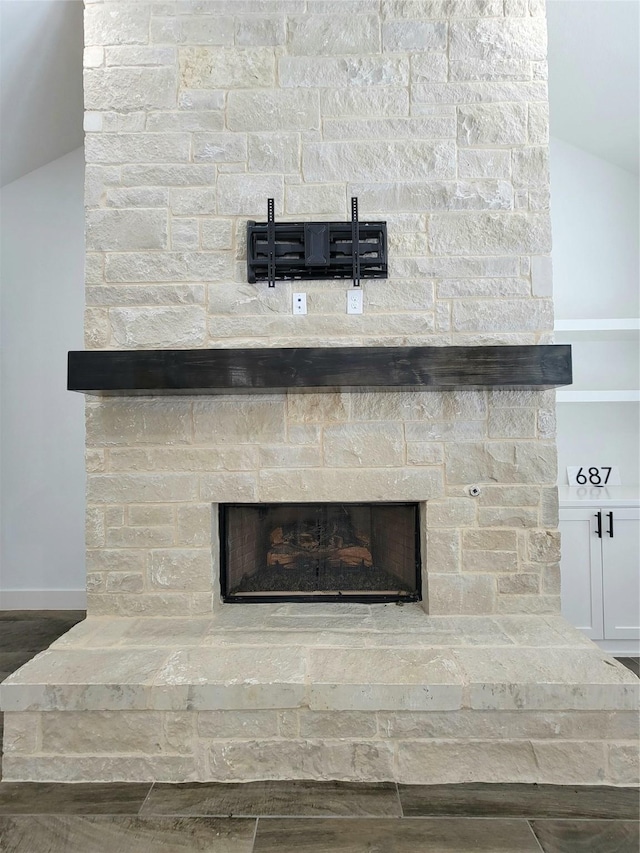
[{"x": 593, "y": 475}]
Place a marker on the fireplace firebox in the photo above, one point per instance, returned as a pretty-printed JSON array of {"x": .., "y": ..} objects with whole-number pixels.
[{"x": 363, "y": 552}]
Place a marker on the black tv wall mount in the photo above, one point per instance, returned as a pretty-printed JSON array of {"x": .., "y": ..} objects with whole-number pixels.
[{"x": 278, "y": 251}]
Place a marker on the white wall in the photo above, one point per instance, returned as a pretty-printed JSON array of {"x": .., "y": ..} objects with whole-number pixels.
[
  {"x": 594, "y": 215},
  {"x": 42, "y": 424}
]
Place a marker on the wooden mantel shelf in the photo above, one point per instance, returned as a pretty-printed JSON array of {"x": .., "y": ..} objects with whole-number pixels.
[{"x": 256, "y": 371}]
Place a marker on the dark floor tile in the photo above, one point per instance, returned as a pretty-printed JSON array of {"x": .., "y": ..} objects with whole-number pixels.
[
  {"x": 631, "y": 663},
  {"x": 31, "y": 635},
  {"x": 72, "y": 834},
  {"x": 21, "y": 615},
  {"x": 97, "y": 798},
  {"x": 411, "y": 835},
  {"x": 494, "y": 800},
  {"x": 10, "y": 661},
  {"x": 340, "y": 799},
  {"x": 587, "y": 836}
]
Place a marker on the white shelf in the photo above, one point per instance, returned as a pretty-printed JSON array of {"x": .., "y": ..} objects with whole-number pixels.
[
  {"x": 619, "y": 396},
  {"x": 576, "y": 496},
  {"x": 622, "y": 328}
]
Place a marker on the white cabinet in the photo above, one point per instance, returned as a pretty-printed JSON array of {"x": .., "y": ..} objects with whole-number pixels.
[{"x": 601, "y": 567}]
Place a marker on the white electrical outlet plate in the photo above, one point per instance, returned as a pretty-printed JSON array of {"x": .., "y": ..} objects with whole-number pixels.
[
  {"x": 299, "y": 303},
  {"x": 354, "y": 301}
]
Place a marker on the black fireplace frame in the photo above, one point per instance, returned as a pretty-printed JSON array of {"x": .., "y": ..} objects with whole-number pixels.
[{"x": 292, "y": 598}]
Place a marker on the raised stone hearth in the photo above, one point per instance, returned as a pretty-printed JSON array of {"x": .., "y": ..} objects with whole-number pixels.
[{"x": 351, "y": 692}]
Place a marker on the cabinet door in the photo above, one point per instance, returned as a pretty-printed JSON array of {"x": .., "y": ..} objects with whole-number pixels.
[
  {"x": 621, "y": 574},
  {"x": 581, "y": 571}
]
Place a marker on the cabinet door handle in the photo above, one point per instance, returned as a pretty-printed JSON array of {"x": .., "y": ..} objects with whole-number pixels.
[
  {"x": 599, "y": 525},
  {"x": 610, "y": 530}
]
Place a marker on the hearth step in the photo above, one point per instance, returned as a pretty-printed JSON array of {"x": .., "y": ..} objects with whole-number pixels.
[{"x": 368, "y": 693}]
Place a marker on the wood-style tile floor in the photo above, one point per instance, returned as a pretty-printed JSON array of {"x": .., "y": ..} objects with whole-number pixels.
[{"x": 298, "y": 817}]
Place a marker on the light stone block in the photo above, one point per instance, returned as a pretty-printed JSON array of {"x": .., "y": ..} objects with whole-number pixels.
[
  {"x": 453, "y": 512},
  {"x": 623, "y": 763},
  {"x": 542, "y": 276},
  {"x": 461, "y": 593},
  {"x": 125, "y": 488},
  {"x": 444, "y": 762},
  {"x": 531, "y": 166},
  {"x": 490, "y": 69},
  {"x": 429, "y": 127},
  {"x": 226, "y": 68},
  {"x": 125, "y": 581},
  {"x": 193, "y": 525},
  {"x": 457, "y": 93},
  {"x": 435, "y": 9},
  {"x": 362, "y": 102},
  {"x": 123, "y": 230},
  {"x": 307, "y": 199},
  {"x": 489, "y": 561},
  {"x": 285, "y": 456},
  {"x": 484, "y": 163},
  {"x": 367, "y": 161},
  {"x": 168, "y": 175},
  {"x": 508, "y": 462},
  {"x": 539, "y": 124},
  {"x": 507, "y": 39},
  {"x": 492, "y": 124},
  {"x": 158, "y": 327},
  {"x": 429, "y": 195},
  {"x": 216, "y": 234},
  {"x": 127, "y": 89},
  {"x": 491, "y": 233},
  {"x": 301, "y": 759},
  {"x": 357, "y": 445},
  {"x": 381, "y": 679},
  {"x": 318, "y": 408},
  {"x": 273, "y": 110},
  {"x": 116, "y": 23},
  {"x": 398, "y": 36},
  {"x": 371, "y": 484},
  {"x": 219, "y": 148},
  {"x": 521, "y": 583},
  {"x": 544, "y": 546},
  {"x": 237, "y": 724},
  {"x": 140, "y": 537},
  {"x": 220, "y": 458},
  {"x": 338, "y": 72},
  {"x": 168, "y": 266},
  {"x": 140, "y": 294},
  {"x": 181, "y": 570},
  {"x": 134, "y": 55},
  {"x": 443, "y": 551},
  {"x": 429, "y": 67},
  {"x": 424, "y": 453},
  {"x": 209, "y": 30},
  {"x": 138, "y": 148},
  {"x": 512, "y": 423},
  {"x": 261, "y": 420},
  {"x": 251, "y": 299},
  {"x": 485, "y": 288},
  {"x": 333, "y": 34},
  {"x": 274, "y": 152},
  {"x": 242, "y": 195},
  {"x": 250, "y": 32}
]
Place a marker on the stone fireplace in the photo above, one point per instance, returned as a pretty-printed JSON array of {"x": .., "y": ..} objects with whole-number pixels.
[{"x": 435, "y": 115}]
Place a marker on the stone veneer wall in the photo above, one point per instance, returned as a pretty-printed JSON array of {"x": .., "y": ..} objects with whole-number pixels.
[{"x": 432, "y": 112}]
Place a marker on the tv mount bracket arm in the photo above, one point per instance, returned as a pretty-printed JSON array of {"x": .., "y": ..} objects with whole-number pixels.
[{"x": 280, "y": 251}]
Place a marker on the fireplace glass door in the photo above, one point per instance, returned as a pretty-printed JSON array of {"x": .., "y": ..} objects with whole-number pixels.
[{"x": 322, "y": 551}]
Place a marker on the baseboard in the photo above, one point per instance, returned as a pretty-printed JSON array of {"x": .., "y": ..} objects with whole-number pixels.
[{"x": 43, "y": 599}]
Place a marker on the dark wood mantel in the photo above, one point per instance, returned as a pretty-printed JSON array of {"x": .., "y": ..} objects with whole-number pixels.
[{"x": 231, "y": 371}]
